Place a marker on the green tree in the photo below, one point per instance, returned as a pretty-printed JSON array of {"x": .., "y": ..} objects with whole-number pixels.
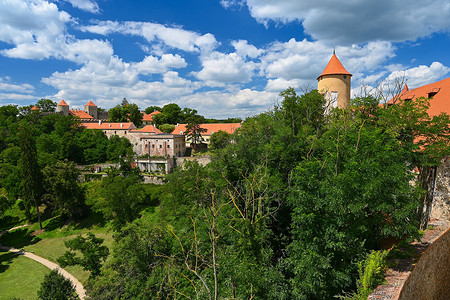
[
  {"x": 152, "y": 108},
  {"x": 56, "y": 287},
  {"x": 65, "y": 194},
  {"x": 170, "y": 114},
  {"x": 220, "y": 140},
  {"x": 93, "y": 253},
  {"x": 46, "y": 105},
  {"x": 126, "y": 113},
  {"x": 194, "y": 130},
  {"x": 30, "y": 171},
  {"x": 166, "y": 128}
]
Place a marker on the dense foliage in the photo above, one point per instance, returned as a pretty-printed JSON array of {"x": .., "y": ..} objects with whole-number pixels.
[
  {"x": 290, "y": 207},
  {"x": 289, "y": 210},
  {"x": 56, "y": 287},
  {"x": 37, "y": 156}
]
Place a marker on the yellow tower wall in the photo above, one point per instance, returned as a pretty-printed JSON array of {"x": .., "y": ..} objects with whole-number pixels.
[{"x": 336, "y": 83}]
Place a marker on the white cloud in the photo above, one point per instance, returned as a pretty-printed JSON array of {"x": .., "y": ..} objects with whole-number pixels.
[
  {"x": 31, "y": 22},
  {"x": 87, "y": 5},
  {"x": 219, "y": 69},
  {"x": 244, "y": 49},
  {"x": 6, "y": 86},
  {"x": 155, "y": 65},
  {"x": 9, "y": 98},
  {"x": 240, "y": 103},
  {"x": 173, "y": 37},
  {"x": 356, "y": 21},
  {"x": 38, "y": 30},
  {"x": 421, "y": 75}
]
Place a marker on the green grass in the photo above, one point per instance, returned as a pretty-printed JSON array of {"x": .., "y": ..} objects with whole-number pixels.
[
  {"x": 50, "y": 243},
  {"x": 20, "y": 277},
  {"x": 52, "y": 248}
]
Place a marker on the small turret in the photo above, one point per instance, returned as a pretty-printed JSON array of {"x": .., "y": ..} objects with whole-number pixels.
[
  {"x": 91, "y": 109},
  {"x": 335, "y": 83},
  {"x": 63, "y": 108}
]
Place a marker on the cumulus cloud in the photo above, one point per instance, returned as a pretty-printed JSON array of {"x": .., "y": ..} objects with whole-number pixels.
[
  {"x": 219, "y": 69},
  {"x": 357, "y": 21},
  {"x": 243, "y": 48},
  {"x": 173, "y": 37},
  {"x": 298, "y": 63},
  {"x": 421, "y": 75},
  {"x": 155, "y": 65},
  {"x": 87, "y": 5},
  {"x": 240, "y": 103},
  {"x": 7, "y": 86}
]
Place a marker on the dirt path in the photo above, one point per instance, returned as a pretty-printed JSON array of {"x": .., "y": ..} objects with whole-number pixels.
[{"x": 51, "y": 265}]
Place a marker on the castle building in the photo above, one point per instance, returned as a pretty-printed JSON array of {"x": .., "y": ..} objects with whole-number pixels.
[
  {"x": 335, "y": 84},
  {"x": 91, "y": 109}
]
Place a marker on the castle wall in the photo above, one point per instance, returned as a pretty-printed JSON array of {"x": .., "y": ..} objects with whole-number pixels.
[
  {"x": 429, "y": 278},
  {"x": 441, "y": 195}
]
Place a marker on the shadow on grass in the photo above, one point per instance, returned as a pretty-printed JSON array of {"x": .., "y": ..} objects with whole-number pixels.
[
  {"x": 6, "y": 259},
  {"x": 93, "y": 219},
  {"x": 6, "y": 222},
  {"x": 18, "y": 238}
]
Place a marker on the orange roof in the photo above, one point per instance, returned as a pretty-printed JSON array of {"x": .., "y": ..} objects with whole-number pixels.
[
  {"x": 80, "y": 114},
  {"x": 334, "y": 67},
  {"x": 211, "y": 128},
  {"x": 90, "y": 103},
  {"x": 148, "y": 128},
  {"x": 35, "y": 108},
  {"x": 439, "y": 91},
  {"x": 109, "y": 126},
  {"x": 63, "y": 103},
  {"x": 149, "y": 117}
]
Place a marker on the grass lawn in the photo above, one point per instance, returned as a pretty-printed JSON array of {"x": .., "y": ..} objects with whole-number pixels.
[
  {"x": 20, "y": 277},
  {"x": 50, "y": 243},
  {"x": 53, "y": 248}
]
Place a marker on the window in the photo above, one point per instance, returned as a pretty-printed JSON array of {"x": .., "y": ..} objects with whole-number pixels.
[
  {"x": 153, "y": 146},
  {"x": 160, "y": 146},
  {"x": 168, "y": 146}
]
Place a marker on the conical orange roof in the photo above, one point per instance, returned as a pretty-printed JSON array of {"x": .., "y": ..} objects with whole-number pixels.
[
  {"x": 35, "y": 108},
  {"x": 334, "y": 67},
  {"x": 90, "y": 103},
  {"x": 63, "y": 103},
  {"x": 405, "y": 88}
]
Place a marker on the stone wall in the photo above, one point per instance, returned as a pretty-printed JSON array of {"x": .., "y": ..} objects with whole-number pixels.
[
  {"x": 441, "y": 198},
  {"x": 202, "y": 160},
  {"x": 430, "y": 277}
]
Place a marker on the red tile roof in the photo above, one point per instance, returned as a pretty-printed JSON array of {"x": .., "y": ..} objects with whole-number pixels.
[
  {"x": 439, "y": 92},
  {"x": 334, "y": 67},
  {"x": 148, "y": 128},
  {"x": 211, "y": 128},
  {"x": 109, "y": 126},
  {"x": 35, "y": 108},
  {"x": 80, "y": 114},
  {"x": 90, "y": 103},
  {"x": 63, "y": 103},
  {"x": 149, "y": 117}
]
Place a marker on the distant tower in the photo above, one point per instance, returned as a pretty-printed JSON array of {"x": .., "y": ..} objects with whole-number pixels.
[
  {"x": 335, "y": 83},
  {"x": 91, "y": 109},
  {"x": 63, "y": 107}
]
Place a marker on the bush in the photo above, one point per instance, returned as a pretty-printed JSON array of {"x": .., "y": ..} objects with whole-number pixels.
[
  {"x": 56, "y": 287},
  {"x": 371, "y": 274}
]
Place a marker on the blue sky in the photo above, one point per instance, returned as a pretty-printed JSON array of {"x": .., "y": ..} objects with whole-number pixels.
[{"x": 224, "y": 58}]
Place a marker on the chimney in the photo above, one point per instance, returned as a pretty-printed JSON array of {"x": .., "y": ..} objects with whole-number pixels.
[
  {"x": 99, "y": 122},
  {"x": 121, "y": 125},
  {"x": 109, "y": 124}
]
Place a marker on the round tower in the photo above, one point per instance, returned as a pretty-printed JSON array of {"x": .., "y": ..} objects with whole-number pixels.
[
  {"x": 63, "y": 108},
  {"x": 335, "y": 83},
  {"x": 91, "y": 109}
]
